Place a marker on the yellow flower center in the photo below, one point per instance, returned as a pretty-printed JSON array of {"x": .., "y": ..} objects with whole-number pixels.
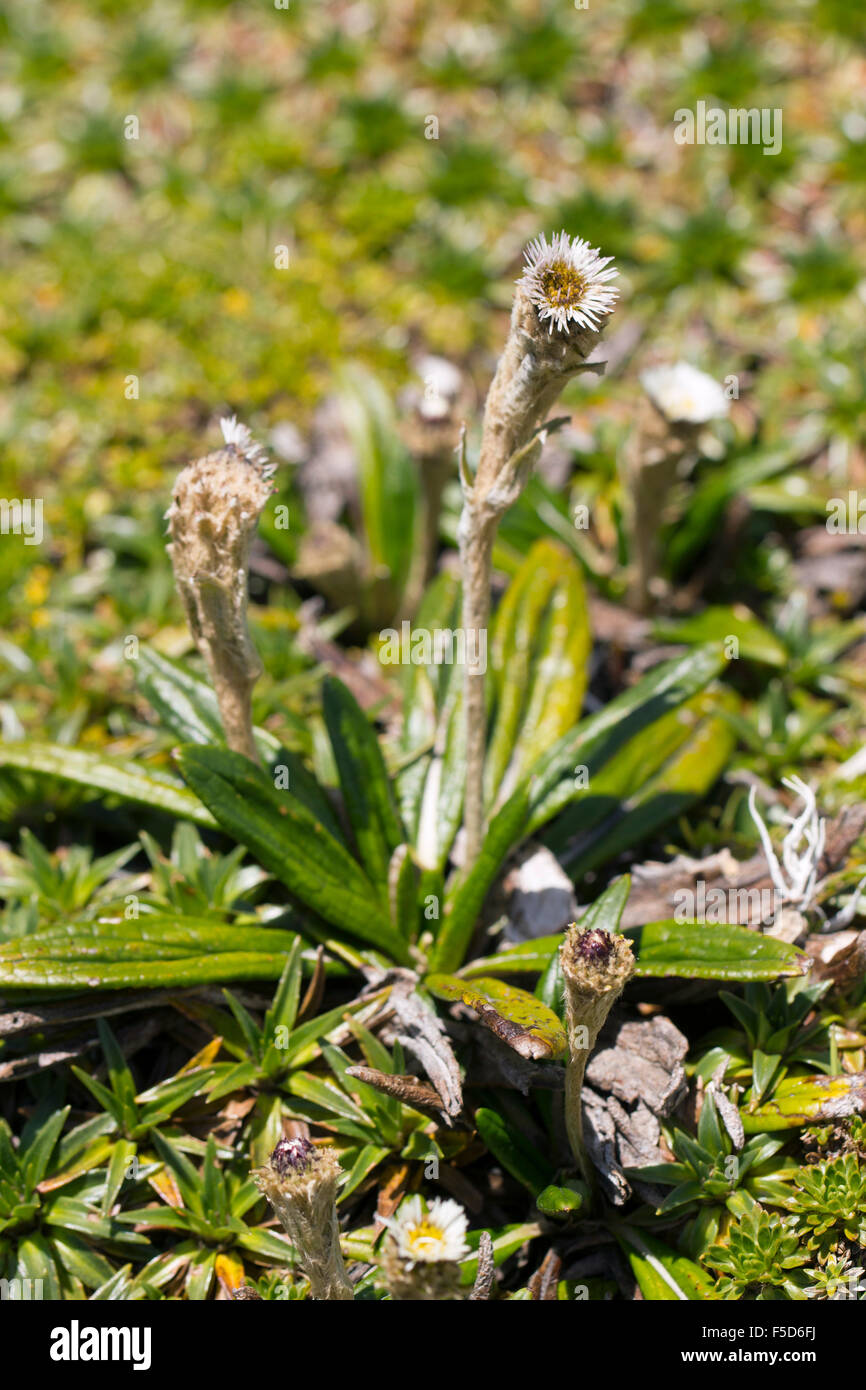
[
  {"x": 424, "y": 1238},
  {"x": 563, "y": 285}
]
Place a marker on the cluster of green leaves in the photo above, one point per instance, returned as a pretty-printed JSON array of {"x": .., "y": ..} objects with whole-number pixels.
[
  {"x": 708, "y": 1171},
  {"x": 765, "y": 1224},
  {"x": 53, "y": 1226}
]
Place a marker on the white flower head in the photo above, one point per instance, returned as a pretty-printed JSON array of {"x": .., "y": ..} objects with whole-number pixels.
[
  {"x": 442, "y": 385},
  {"x": 429, "y": 1233},
  {"x": 684, "y": 394},
  {"x": 567, "y": 281},
  {"x": 239, "y": 437}
]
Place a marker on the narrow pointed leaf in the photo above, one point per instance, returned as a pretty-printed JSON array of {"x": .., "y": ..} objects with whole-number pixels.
[
  {"x": 663, "y": 1276},
  {"x": 695, "y": 951},
  {"x": 808, "y": 1100},
  {"x": 513, "y": 1150},
  {"x": 100, "y": 773},
  {"x": 291, "y": 844},
  {"x": 539, "y": 651},
  {"x": 467, "y": 899},
  {"x": 594, "y": 741},
  {"x": 364, "y": 780}
]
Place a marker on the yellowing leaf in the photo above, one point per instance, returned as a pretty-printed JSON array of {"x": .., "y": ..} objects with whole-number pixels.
[{"x": 515, "y": 1016}]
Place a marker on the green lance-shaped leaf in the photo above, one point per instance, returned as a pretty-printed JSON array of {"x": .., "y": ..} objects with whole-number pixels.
[
  {"x": 706, "y": 741},
  {"x": 183, "y": 935},
  {"x": 291, "y": 771},
  {"x": 517, "y": 1018},
  {"x": 425, "y": 695},
  {"x": 101, "y": 773},
  {"x": 605, "y": 914},
  {"x": 538, "y": 663},
  {"x": 755, "y": 642},
  {"x": 808, "y": 1100},
  {"x": 696, "y": 951},
  {"x": 364, "y": 780},
  {"x": 124, "y": 973},
  {"x": 522, "y": 958},
  {"x": 663, "y": 1276},
  {"x": 291, "y": 844},
  {"x": 431, "y": 787},
  {"x": 592, "y": 743},
  {"x": 466, "y": 899},
  {"x": 403, "y": 892},
  {"x": 186, "y": 704},
  {"x": 667, "y": 950},
  {"x": 387, "y": 476},
  {"x": 513, "y": 1150}
]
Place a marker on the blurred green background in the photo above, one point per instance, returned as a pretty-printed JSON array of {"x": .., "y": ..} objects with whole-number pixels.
[{"x": 307, "y": 128}]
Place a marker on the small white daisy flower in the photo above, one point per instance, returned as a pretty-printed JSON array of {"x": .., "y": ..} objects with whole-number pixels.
[
  {"x": 429, "y": 1233},
  {"x": 684, "y": 394},
  {"x": 567, "y": 281}
]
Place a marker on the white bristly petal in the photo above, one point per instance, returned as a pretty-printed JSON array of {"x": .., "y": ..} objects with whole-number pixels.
[{"x": 589, "y": 305}]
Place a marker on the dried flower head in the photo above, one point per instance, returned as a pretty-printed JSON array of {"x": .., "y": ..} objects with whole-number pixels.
[
  {"x": 596, "y": 966},
  {"x": 566, "y": 279},
  {"x": 300, "y": 1182},
  {"x": 213, "y": 517},
  {"x": 684, "y": 395},
  {"x": 239, "y": 440},
  {"x": 595, "y": 944}
]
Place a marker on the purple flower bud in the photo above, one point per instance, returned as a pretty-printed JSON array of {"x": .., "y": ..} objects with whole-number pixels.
[
  {"x": 595, "y": 945},
  {"x": 291, "y": 1156}
]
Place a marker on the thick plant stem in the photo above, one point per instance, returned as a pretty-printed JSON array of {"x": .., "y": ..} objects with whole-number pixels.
[
  {"x": 235, "y": 702},
  {"x": 596, "y": 966},
  {"x": 535, "y": 365},
  {"x": 300, "y": 1182},
  {"x": 657, "y": 451},
  {"x": 582, "y": 1038},
  {"x": 212, "y": 519},
  {"x": 476, "y": 536}
]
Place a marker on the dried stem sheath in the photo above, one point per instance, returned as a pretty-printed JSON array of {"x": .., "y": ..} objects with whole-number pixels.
[
  {"x": 300, "y": 1183},
  {"x": 596, "y": 965},
  {"x": 215, "y": 509}
]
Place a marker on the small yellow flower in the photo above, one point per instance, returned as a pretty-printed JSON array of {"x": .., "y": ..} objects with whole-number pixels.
[
  {"x": 235, "y": 302},
  {"x": 37, "y": 585}
]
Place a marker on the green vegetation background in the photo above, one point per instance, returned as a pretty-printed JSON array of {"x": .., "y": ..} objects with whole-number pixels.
[{"x": 307, "y": 127}]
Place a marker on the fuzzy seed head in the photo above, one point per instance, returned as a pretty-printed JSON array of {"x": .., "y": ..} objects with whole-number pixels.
[{"x": 595, "y": 962}]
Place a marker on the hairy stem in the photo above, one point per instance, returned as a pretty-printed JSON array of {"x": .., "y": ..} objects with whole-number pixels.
[{"x": 476, "y": 536}]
